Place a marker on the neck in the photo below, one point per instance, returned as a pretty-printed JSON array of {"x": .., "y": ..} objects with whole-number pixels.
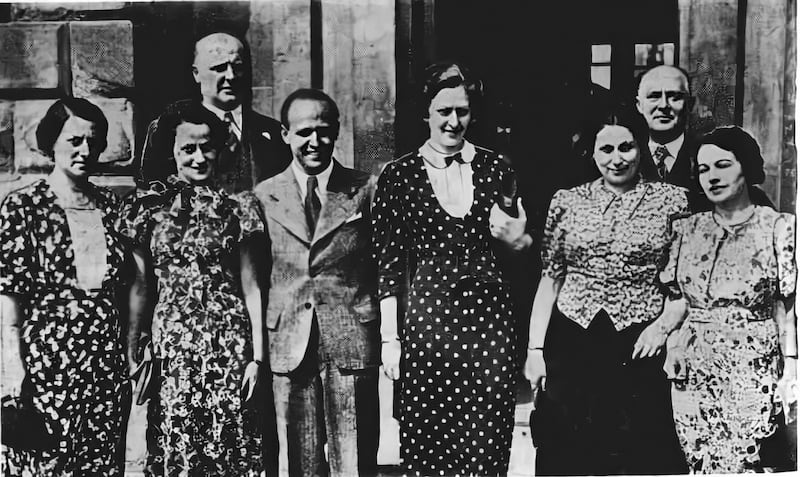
[
  {"x": 66, "y": 184},
  {"x": 447, "y": 150},
  {"x": 735, "y": 209},
  {"x": 665, "y": 137},
  {"x": 620, "y": 189}
]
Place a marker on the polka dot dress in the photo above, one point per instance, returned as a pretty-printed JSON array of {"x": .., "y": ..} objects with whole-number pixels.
[{"x": 457, "y": 334}]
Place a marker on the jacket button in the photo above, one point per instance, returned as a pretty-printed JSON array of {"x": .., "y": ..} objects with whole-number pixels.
[{"x": 308, "y": 306}]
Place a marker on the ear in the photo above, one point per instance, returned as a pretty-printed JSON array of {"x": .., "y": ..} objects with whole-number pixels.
[
  {"x": 195, "y": 74},
  {"x": 335, "y": 135},
  {"x": 285, "y": 134},
  {"x": 639, "y": 105}
]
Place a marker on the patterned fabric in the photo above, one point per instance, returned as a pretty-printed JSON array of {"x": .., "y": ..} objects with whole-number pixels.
[
  {"x": 607, "y": 248},
  {"x": 201, "y": 330},
  {"x": 457, "y": 396},
  {"x": 731, "y": 278},
  {"x": 74, "y": 360}
]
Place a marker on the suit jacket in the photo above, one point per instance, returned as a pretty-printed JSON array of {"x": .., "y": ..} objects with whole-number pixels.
[
  {"x": 262, "y": 152},
  {"x": 680, "y": 174},
  {"x": 332, "y": 276}
]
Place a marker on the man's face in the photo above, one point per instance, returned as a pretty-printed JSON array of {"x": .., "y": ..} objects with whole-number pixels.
[
  {"x": 311, "y": 134},
  {"x": 663, "y": 99},
  {"x": 219, "y": 70}
]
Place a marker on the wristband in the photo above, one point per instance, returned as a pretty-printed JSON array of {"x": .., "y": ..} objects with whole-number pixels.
[
  {"x": 787, "y": 356},
  {"x": 257, "y": 361},
  {"x": 390, "y": 339}
]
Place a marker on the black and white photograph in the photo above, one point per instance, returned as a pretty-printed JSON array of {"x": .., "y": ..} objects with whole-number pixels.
[{"x": 384, "y": 238}]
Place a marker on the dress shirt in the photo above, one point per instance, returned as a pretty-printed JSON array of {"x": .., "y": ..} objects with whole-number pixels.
[
  {"x": 674, "y": 147},
  {"x": 237, "y": 117},
  {"x": 322, "y": 181},
  {"x": 607, "y": 249},
  {"x": 451, "y": 184}
]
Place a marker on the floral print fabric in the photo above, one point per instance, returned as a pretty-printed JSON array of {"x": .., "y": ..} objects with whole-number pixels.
[
  {"x": 74, "y": 361},
  {"x": 731, "y": 278},
  {"x": 201, "y": 329},
  {"x": 607, "y": 248}
]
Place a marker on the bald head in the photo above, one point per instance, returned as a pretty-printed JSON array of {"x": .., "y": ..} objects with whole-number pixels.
[
  {"x": 664, "y": 101},
  {"x": 219, "y": 70}
]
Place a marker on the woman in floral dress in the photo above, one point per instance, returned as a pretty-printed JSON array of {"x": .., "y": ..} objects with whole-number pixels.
[
  {"x": 206, "y": 311},
  {"x": 438, "y": 205},
  {"x": 60, "y": 267},
  {"x": 732, "y": 274}
]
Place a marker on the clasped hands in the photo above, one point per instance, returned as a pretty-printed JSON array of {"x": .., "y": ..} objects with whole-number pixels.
[{"x": 509, "y": 230}]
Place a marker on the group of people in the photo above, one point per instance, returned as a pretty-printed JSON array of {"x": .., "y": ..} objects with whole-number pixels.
[{"x": 270, "y": 284}]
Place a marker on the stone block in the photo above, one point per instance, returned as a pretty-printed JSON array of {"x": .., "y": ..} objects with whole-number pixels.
[
  {"x": 262, "y": 99},
  {"x": 101, "y": 57},
  {"x": 6, "y": 136},
  {"x": 29, "y": 55},
  {"x": 115, "y": 160},
  {"x": 40, "y": 11}
]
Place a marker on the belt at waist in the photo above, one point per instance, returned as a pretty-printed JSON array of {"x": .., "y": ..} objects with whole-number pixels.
[{"x": 727, "y": 313}]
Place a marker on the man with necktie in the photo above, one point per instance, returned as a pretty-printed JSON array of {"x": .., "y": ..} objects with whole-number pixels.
[
  {"x": 254, "y": 150},
  {"x": 322, "y": 310}
]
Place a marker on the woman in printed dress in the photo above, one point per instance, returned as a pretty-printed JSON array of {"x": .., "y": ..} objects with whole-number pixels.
[
  {"x": 597, "y": 326},
  {"x": 61, "y": 263},
  {"x": 438, "y": 207},
  {"x": 732, "y": 275},
  {"x": 206, "y": 310}
]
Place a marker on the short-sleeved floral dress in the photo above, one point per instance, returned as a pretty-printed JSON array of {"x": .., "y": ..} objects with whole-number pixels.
[
  {"x": 200, "y": 328},
  {"x": 731, "y": 278},
  {"x": 458, "y": 334},
  {"x": 75, "y": 361}
]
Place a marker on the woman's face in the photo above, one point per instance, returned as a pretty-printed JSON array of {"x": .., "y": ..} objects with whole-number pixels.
[
  {"x": 195, "y": 157},
  {"x": 76, "y": 150},
  {"x": 720, "y": 174},
  {"x": 617, "y": 155},
  {"x": 448, "y": 117}
]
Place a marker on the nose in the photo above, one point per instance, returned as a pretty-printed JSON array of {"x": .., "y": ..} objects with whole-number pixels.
[
  {"x": 662, "y": 101},
  {"x": 229, "y": 73},
  {"x": 313, "y": 139},
  {"x": 452, "y": 119},
  {"x": 198, "y": 157},
  {"x": 83, "y": 148}
]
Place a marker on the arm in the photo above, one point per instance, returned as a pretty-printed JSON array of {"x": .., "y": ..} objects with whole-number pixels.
[
  {"x": 787, "y": 329},
  {"x": 653, "y": 338},
  {"x": 255, "y": 310},
  {"x": 13, "y": 352},
  {"x": 546, "y": 296},
  {"x": 139, "y": 305},
  {"x": 510, "y": 231}
]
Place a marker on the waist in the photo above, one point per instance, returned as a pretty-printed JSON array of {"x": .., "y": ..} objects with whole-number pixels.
[{"x": 728, "y": 313}]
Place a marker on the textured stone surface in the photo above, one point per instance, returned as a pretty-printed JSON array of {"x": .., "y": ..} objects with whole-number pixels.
[
  {"x": 30, "y": 11},
  {"x": 101, "y": 57},
  {"x": 29, "y": 55},
  {"x": 117, "y": 156},
  {"x": 6, "y": 136}
]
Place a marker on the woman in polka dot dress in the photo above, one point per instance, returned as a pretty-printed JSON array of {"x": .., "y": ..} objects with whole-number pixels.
[{"x": 432, "y": 208}]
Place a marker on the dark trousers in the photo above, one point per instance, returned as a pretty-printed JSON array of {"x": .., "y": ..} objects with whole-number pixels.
[
  {"x": 602, "y": 412},
  {"x": 319, "y": 403}
]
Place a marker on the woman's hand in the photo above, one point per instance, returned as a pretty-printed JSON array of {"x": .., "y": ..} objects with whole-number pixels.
[
  {"x": 390, "y": 357},
  {"x": 507, "y": 229},
  {"x": 788, "y": 391},
  {"x": 250, "y": 380},
  {"x": 650, "y": 342},
  {"x": 535, "y": 369}
]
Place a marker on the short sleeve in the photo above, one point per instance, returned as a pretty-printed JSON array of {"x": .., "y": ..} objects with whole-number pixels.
[
  {"x": 248, "y": 212},
  {"x": 134, "y": 217},
  {"x": 668, "y": 271},
  {"x": 784, "y": 242},
  {"x": 554, "y": 263},
  {"x": 16, "y": 249},
  {"x": 390, "y": 234}
]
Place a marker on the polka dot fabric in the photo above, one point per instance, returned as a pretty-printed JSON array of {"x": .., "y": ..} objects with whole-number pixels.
[{"x": 457, "y": 335}]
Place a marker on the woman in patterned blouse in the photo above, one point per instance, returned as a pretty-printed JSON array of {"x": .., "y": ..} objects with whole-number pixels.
[
  {"x": 198, "y": 242},
  {"x": 595, "y": 328},
  {"x": 60, "y": 266},
  {"x": 732, "y": 275}
]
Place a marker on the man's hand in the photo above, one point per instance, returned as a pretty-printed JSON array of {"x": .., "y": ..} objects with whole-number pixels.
[{"x": 510, "y": 230}]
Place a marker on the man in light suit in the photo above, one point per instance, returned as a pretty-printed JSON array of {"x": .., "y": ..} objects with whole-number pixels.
[
  {"x": 254, "y": 150},
  {"x": 322, "y": 315}
]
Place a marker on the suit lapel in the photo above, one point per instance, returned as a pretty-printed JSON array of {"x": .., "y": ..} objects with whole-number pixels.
[
  {"x": 287, "y": 207},
  {"x": 341, "y": 203}
]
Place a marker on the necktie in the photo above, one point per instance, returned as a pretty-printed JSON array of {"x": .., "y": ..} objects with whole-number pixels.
[
  {"x": 455, "y": 157},
  {"x": 660, "y": 156},
  {"x": 313, "y": 205},
  {"x": 233, "y": 139}
]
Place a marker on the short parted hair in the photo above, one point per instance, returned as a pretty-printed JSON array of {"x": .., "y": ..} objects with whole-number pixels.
[
  {"x": 683, "y": 72},
  {"x": 186, "y": 111},
  {"x": 56, "y": 116},
  {"x": 449, "y": 74},
  {"x": 744, "y": 146},
  {"x": 615, "y": 115},
  {"x": 312, "y": 95}
]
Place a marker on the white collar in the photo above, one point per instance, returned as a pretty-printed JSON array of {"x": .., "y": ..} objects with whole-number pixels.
[
  {"x": 322, "y": 179},
  {"x": 237, "y": 113},
  {"x": 436, "y": 158},
  {"x": 674, "y": 146}
]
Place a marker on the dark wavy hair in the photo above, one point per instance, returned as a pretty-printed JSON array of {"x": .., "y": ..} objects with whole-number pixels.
[
  {"x": 616, "y": 115},
  {"x": 450, "y": 74},
  {"x": 52, "y": 123},
  {"x": 180, "y": 112},
  {"x": 310, "y": 94},
  {"x": 744, "y": 146}
]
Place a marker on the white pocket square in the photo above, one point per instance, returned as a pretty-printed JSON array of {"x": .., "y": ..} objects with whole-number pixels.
[
  {"x": 266, "y": 135},
  {"x": 355, "y": 216}
]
